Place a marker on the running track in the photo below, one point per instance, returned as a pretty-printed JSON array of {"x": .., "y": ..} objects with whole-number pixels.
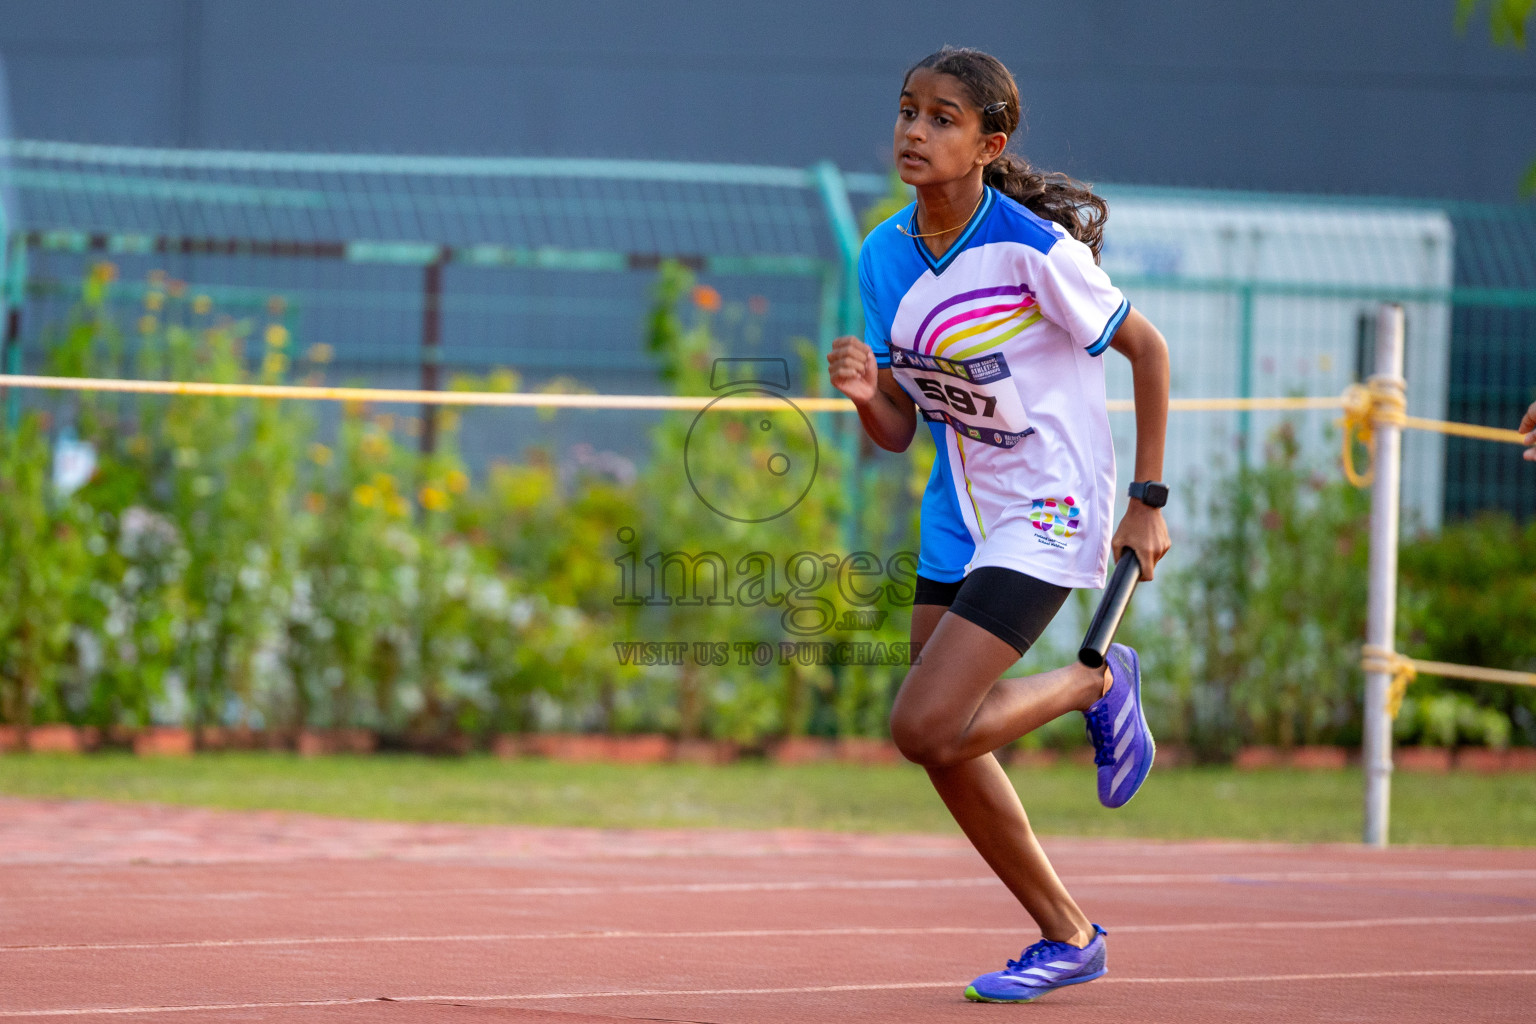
[{"x": 132, "y": 913}]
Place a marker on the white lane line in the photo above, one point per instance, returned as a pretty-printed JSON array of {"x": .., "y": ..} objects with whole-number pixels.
[
  {"x": 766, "y": 933},
  {"x": 1233, "y": 877},
  {"x": 1235, "y": 979},
  {"x": 549, "y": 890},
  {"x": 1239, "y": 979},
  {"x": 93, "y": 1011}
]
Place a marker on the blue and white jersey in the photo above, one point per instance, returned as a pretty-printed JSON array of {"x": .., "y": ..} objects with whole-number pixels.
[{"x": 998, "y": 343}]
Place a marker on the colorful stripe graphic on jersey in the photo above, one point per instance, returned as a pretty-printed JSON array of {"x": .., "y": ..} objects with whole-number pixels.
[{"x": 996, "y": 313}]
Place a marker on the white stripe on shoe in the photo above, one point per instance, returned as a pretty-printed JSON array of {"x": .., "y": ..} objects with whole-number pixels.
[
  {"x": 1121, "y": 774},
  {"x": 1125, "y": 741},
  {"x": 1125, "y": 710}
]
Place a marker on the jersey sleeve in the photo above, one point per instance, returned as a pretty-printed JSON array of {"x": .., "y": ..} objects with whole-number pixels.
[
  {"x": 1075, "y": 294},
  {"x": 875, "y": 325}
]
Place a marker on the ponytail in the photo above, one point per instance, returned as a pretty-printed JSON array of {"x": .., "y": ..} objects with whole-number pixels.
[{"x": 1054, "y": 196}]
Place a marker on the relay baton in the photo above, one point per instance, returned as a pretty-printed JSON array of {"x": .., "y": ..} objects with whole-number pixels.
[{"x": 1112, "y": 606}]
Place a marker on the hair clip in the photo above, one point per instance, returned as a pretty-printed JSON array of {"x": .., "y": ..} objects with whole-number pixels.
[{"x": 995, "y": 108}]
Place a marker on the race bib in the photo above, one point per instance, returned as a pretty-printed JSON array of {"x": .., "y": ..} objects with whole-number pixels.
[{"x": 976, "y": 397}]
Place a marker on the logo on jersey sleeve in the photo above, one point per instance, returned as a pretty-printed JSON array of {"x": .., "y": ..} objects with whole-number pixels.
[{"x": 1056, "y": 520}]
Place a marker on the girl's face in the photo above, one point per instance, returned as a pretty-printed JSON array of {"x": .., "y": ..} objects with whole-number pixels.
[{"x": 938, "y": 132}]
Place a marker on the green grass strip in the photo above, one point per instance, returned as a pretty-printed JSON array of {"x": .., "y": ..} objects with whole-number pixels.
[{"x": 1177, "y": 803}]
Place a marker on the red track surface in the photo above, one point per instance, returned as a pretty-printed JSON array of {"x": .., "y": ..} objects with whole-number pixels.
[{"x": 133, "y": 913}]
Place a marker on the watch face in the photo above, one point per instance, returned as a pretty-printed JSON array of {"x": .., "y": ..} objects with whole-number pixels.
[{"x": 1155, "y": 495}]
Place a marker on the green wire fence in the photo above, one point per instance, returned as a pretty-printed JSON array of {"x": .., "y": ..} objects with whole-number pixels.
[
  {"x": 409, "y": 270},
  {"x": 414, "y": 267}
]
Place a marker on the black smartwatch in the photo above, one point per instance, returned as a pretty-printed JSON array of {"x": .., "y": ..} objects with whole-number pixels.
[{"x": 1150, "y": 493}]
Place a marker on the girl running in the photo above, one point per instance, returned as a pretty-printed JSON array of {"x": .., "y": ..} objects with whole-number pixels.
[{"x": 986, "y": 310}]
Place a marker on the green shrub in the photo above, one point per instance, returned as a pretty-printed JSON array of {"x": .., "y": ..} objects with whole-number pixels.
[
  {"x": 1468, "y": 596},
  {"x": 225, "y": 565},
  {"x": 1259, "y": 633},
  {"x": 1259, "y": 636}
]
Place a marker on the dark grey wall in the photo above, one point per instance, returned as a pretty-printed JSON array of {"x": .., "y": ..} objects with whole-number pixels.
[{"x": 1377, "y": 96}]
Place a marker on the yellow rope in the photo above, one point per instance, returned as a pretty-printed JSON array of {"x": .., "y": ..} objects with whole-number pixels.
[
  {"x": 1401, "y": 671},
  {"x": 1379, "y": 401},
  {"x": 1362, "y": 405},
  {"x": 1404, "y": 670},
  {"x": 1481, "y": 675},
  {"x": 1251, "y": 404},
  {"x": 1472, "y": 430},
  {"x": 563, "y": 401},
  {"x": 513, "y": 399}
]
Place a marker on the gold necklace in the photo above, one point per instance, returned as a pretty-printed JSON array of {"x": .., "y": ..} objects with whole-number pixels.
[{"x": 957, "y": 227}]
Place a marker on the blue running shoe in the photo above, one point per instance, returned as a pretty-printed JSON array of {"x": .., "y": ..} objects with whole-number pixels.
[
  {"x": 1043, "y": 967},
  {"x": 1122, "y": 743}
]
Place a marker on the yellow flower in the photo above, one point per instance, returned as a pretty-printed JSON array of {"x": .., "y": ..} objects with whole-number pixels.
[
  {"x": 105, "y": 271},
  {"x": 321, "y": 353},
  {"x": 374, "y": 445},
  {"x": 148, "y": 324},
  {"x": 432, "y": 499},
  {"x": 458, "y": 481},
  {"x": 277, "y": 336},
  {"x": 365, "y": 495},
  {"x": 399, "y": 507},
  {"x": 353, "y": 408},
  {"x": 448, "y": 420},
  {"x": 138, "y": 445},
  {"x": 319, "y": 454},
  {"x": 384, "y": 482},
  {"x": 153, "y": 301},
  {"x": 274, "y": 364},
  {"x": 202, "y": 305},
  {"x": 503, "y": 379}
]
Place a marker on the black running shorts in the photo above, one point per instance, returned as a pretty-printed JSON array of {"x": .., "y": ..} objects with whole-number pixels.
[{"x": 1011, "y": 605}]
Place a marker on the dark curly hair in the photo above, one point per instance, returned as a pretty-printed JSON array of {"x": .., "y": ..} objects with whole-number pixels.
[{"x": 1055, "y": 196}]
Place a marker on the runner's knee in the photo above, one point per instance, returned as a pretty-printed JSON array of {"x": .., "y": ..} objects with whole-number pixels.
[{"x": 923, "y": 739}]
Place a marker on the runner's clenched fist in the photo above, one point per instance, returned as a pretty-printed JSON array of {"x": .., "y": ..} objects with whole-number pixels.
[{"x": 851, "y": 364}]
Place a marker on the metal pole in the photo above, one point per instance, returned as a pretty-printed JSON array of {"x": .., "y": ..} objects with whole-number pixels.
[
  {"x": 1245, "y": 369},
  {"x": 431, "y": 351},
  {"x": 1381, "y": 611},
  {"x": 14, "y": 289},
  {"x": 845, "y": 233}
]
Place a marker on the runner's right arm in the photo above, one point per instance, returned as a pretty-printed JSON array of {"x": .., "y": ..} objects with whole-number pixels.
[{"x": 887, "y": 412}]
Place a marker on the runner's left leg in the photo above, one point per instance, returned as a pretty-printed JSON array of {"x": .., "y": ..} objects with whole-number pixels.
[{"x": 957, "y": 673}]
